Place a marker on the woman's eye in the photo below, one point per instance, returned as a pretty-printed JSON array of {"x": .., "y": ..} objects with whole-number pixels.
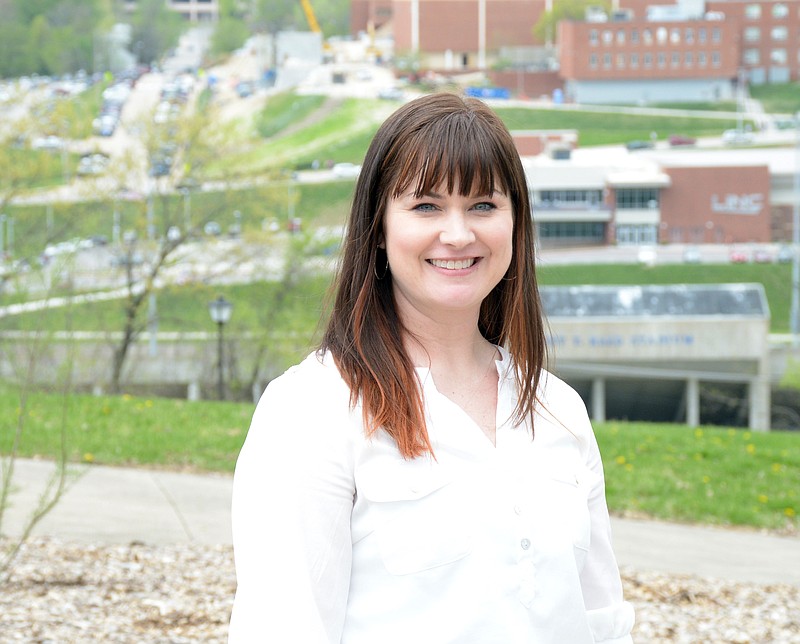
[
  {"x": 425, "y": 207},
  {"x": 484, "y": 206}
]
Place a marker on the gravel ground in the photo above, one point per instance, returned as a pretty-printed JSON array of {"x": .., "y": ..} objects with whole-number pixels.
[{"x": 65, "y": 593}]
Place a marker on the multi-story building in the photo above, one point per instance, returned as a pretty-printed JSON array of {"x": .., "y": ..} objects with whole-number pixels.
[
  {"x": 686, "y": 50},
  {"x": 628, "y": 59},
  {"x": 769, "y": 37},
  {"x": 596, "y": 197}
]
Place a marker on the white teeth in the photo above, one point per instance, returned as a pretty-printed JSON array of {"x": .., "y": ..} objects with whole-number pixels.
[{"x": 453, "y": 264}]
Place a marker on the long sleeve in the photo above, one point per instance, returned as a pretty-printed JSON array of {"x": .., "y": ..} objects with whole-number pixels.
[
  {"x": 292, "y": 502},
  {"x": 610, "y": 618}
]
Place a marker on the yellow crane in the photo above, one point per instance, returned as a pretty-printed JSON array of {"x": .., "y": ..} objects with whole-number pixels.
[{"x": 310, "y": 16}]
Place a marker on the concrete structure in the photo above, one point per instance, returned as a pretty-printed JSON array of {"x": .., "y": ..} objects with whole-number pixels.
[
  {"x": 610, "y": 195},
  {"x": 191, "y": 10},
  {"x": 655, "y": 345}
]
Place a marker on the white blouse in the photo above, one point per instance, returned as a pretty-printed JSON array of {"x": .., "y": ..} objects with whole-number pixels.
[{"x": 338, "y": 538}]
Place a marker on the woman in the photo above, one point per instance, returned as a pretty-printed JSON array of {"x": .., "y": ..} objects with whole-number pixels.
[{"x": 421, "y": 478}]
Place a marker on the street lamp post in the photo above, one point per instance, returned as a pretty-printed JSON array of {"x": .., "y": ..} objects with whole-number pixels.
[
  {"x": 220, "y": 310},
  {"x": 794, "y": 322}
]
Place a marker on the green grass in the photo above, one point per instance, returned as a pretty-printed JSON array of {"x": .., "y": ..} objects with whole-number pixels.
[
  {"x": 705, "y": 475},
  {"x": 600, "y": 128},
  {"x": 779, "y": 99},
  {"x": 708, "y": 475},
  {"x": 283, "y": 110},
  {"x": 184, "y": 308}
]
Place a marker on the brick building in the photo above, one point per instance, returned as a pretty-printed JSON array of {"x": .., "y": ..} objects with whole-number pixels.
[{"x": 610, "y": 196}]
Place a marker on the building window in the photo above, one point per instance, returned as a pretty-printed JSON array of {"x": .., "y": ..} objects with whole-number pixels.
[
  {"x": 780, "y": 10},
  {"x": 661, "y": 60},
  {"x": 675, "y": 36},
  {"x": 716, "y": 34},
  {"x": 648, "y": 61},
  {"x": 751, "y": 56},
  {"x": 607, "y": 61},
  {"x": 779, "y": 33},
  {"x": 676, "y": 59},
  {"x": 593, "y": 36},
  {"x": 752, "y": 34},
  {"x": 637, "y": 198},
  {"x": 715, "y": 59},
  {"x": 689, "y": 35},
  {"x": 647, "y": 36},
  {"x": 752, "y": 11},
  {"x": 593, "y": 61},
  {"x": 572, "y": 199},
  {"x": 778, "y": 56},
  {"x": 586, "y": 230},
  {"x": 701, "y": 34},
  {"x": 608, "y": 37},
  {"x": 661, "y": 35},
  {"x": 634, "y": 36},
  {"x": 620, "y": 61},
  {"x": 620, "y": 36},
  {"x": 701, "y": 58},
  {"x": 635, "y": 61},
  {"x": 688, "y": 59}
]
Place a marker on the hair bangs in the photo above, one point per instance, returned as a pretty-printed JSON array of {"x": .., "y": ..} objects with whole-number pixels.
[{"x": 453, "y": 153}]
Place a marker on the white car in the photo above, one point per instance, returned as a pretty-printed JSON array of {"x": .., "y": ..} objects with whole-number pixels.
[
  {"x": 737, "y": 137},
  {"x": 346, "y": 170}
]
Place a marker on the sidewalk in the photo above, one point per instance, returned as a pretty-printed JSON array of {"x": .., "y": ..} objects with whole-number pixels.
[{"x": 120, "y": 505}]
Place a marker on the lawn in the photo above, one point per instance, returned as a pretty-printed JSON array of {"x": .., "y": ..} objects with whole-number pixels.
[{"x": 709, "y": 475}]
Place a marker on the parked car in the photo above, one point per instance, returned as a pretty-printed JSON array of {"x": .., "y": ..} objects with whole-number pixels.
[
  {"x": 785, "y": 254},
  {"x": 677, "y": 140},
  {"x": 691, "y": 255},
  {"x": 737, "y": 137},
  {"x": 346, "y": 170},
  {"x": 639, "y": 145},
  {"x": 738, "y": 256},
  {"x": 50, "y": 142},
  {"x": 761, "y": 256},
  {"x": 92, "y": 164}
]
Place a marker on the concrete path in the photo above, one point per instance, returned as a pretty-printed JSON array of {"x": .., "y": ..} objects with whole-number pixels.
[{"x": 120, "y": 505}]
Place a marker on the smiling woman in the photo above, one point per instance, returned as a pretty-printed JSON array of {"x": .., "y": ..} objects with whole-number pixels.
[{"x": 441, "y": 479}]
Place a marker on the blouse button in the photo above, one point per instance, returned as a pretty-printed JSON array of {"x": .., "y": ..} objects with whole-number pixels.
[{"x": 525, "y": 544}]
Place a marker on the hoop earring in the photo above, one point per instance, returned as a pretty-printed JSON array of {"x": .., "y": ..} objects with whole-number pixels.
[{"x": 385, "y": 270}]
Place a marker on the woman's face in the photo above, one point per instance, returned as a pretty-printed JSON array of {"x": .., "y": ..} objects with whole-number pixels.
[{"x": 447, "y": 252}]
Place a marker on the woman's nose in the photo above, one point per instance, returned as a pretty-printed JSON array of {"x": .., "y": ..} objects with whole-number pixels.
[{"x": 456, "y": 230}]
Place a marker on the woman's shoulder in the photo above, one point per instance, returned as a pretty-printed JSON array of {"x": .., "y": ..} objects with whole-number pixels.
[{"x": 311, "y": 382}]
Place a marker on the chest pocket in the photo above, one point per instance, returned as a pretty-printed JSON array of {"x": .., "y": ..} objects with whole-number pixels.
[
  {"x": 561, "y": 506},
  {"x": 420, "y": 517}
]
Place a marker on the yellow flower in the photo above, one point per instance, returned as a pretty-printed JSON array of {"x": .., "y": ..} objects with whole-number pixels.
[
  {"x": 789, "y": 512},
  {"x": 148, "y": 403},
  {"x": 88, "y": 457},
  {"x": 763, "y": 498},
  {"x": 751, "y": 449},
  {"x": 777, "y": 467},
  {"x": 698, "y": 433},
  {"x": 620, "y": 460},
  {"x": 706, "y": 479},
  {"x": 629, "y": 467}
]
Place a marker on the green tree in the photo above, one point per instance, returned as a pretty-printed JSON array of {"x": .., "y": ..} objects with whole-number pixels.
[
  {"x": 546, "y": 28},
  {"x": 155, "y": 30}
]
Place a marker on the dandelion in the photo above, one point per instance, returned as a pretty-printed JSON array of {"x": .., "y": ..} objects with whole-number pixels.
[
  {"x": 148, "y": 403},
  {"x": 620, "y": 460},
  {"x": 789, "y": 512},
  {"x": 698, "y": 456},
  {"x": 88, "y": 457},
  {"x": 698, "y": 433},
  {"x": 126, "y": 397},
  {"x": 706, "y": 479},
  {"x": 763, "y": 498},
  {"x": 746, "y": 436},
  {"x": 751, "y": 449},
  {"x": 629, "y": 467},
  {"x": 776, "y": 467}
]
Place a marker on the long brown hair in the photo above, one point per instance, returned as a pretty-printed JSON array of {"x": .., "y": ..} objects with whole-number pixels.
[{"x": 435, "y": 140}]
